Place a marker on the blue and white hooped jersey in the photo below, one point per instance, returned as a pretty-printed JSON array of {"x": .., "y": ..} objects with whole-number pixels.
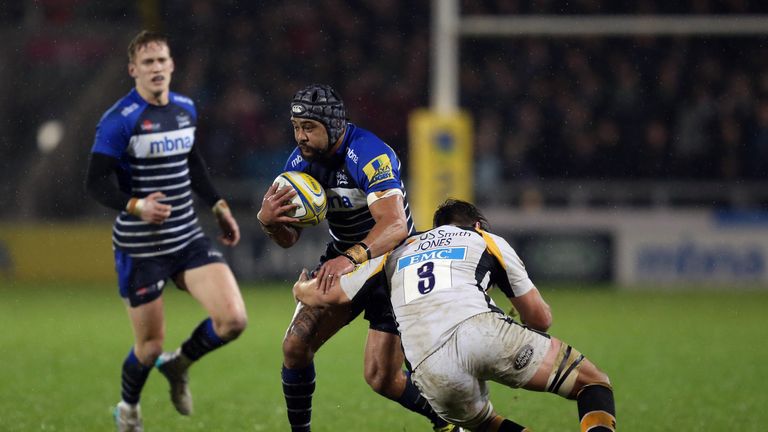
[
  {"x": 363, "y": 164},
  {"x": 151, "y": 144}
]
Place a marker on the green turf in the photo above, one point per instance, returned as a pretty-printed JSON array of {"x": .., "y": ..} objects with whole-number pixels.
[{"x": 679, "y": 361}]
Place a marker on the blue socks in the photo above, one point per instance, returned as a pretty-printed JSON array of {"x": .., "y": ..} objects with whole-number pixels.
[
  {"x": 202, "y": 341},
  {"x": 133, "y": 378},
  {"x": 134, "y": 375},
  {"x": 298, "y": 387}
]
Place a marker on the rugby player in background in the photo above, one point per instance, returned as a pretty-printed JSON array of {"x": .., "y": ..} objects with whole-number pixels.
[
  {"x": 368, "y": 215},
  {"x": 146, "y": 140},
  {"x": 455, "y": 336}
]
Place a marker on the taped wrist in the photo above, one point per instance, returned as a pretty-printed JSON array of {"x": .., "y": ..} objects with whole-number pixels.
[
  {"x": 358, "y": 253},
  {"x": 220, "y": 208},
  {"x": 135, "y": 206}
]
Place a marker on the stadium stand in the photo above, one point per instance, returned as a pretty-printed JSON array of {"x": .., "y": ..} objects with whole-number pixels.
[{"x": 675, "y": 120}]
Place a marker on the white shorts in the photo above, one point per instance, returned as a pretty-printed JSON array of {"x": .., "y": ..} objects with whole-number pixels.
[{"x": 488, "y": 346}]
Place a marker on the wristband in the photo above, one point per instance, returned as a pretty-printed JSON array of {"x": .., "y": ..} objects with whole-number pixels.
[
  {"x": 349, "y": 257},
  {"x": 367, "y": 250},
  {"x": 135, "y": 206},
  {"x": 358, "y": 253},
  {"x": 221, "y": 207}
]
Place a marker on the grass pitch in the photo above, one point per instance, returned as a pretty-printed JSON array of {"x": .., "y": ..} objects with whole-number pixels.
[{"x": 692, "y": 361}]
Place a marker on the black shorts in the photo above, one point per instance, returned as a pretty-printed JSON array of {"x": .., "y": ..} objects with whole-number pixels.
[
  {"x": 373, "y": 299},
  {"x": 141, "y": 280}
]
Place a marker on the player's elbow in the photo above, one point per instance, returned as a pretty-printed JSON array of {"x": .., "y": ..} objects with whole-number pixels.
[
  {"x": 89, "y": 185},
  {"x": 543, "y": 322},
  {"x": 283, "y": 243},
  {"x": 399, "y": 230},
  {"x": 287, "y": 237},
  {"x": 539, "y": 319}
]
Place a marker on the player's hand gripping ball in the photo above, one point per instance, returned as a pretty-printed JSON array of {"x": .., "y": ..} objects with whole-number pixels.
[{"x": 310, "y": 197}]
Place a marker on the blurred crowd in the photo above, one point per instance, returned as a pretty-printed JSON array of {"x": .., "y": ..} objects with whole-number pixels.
[
  {"x": 655, "y": 108},
  {"x": 244, "y": 66},
  {"x": 587, "y": 107},
  {"x": 616, "y": 107}
]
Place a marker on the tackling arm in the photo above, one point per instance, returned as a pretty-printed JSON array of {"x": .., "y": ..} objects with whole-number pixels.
[
  {"x": 390, "y": 229},
  {"x": 534, "y": 311},
  {"x": 510, "y": 276},
  {"x": 306, "y": 291}
]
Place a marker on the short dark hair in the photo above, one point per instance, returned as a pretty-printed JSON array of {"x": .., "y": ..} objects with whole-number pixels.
[
  {"x": 144, "y": 38},
  {"x": 458, "y": 212}
]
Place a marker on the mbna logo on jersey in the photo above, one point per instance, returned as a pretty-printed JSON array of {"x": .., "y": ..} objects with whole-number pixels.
[{"x": 298, "y": 109}]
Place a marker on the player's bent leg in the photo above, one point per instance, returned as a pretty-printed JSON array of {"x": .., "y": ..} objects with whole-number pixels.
[
  {"x": 309, "y": 329},
  {"x": 383, "y": 364},
  {"x": 148, "y": 325},
  {"x": 148, "y": 328},
  {"x": 383, "y": 372},
  {"x": 215, "y": 288},
  {"x": 565, "y": 371}
]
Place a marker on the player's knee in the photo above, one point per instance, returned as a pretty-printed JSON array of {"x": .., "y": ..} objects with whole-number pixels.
[
  {"x": 149, "y": 350},
  {"x": 378, "y": 383},
  {"x": 385, "y": 382},
  {"x": 589, "y": 374},
  {"x": 231, "y": 327},
  {"x": 296, "y": 353},
  {"x": 598, "y": 377}
]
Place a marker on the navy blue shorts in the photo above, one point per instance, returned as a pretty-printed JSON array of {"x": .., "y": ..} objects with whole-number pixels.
[
  {"x": 373, "y": 299},
  {"x": 141, "y": 280}
]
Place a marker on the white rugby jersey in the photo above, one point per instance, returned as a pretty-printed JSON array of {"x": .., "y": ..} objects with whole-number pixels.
[
  {"x": 439, "y": 279},
  {"x": 152, "y": 143}
]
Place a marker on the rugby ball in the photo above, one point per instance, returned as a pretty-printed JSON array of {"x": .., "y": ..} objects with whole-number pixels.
[{"x": 310, "y": 197}]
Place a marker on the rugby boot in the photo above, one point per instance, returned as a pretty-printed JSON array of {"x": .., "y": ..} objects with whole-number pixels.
[
  {"x": 448, "y": 428},
  {"x": 174, "y": 367},
  {"x": 128, "y": 417}
]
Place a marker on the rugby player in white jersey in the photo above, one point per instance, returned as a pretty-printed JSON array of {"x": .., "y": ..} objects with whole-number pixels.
[
  {"x": 454, "y": 335},
  {"x": 146, "y": 141}
]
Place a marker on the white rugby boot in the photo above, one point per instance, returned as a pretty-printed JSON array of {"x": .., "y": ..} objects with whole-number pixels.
[
  {"x": 128, "y": 417},
  {"x": 174, "y": 367},
  {"x": 448, "y": 428}
]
